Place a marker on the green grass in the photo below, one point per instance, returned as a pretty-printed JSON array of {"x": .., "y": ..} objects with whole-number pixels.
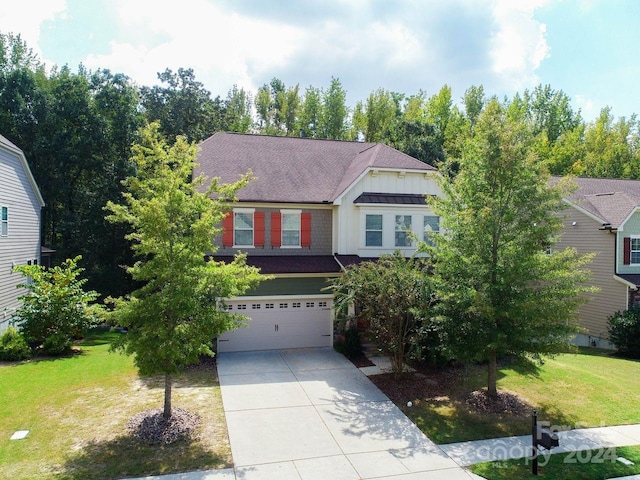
[
  {"x": 586, "y": 465},
  {"x": 586, "y": 389},
  {"x": 76, "y": 408}
]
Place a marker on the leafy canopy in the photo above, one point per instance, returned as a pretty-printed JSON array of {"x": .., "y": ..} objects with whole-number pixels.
[
  {"x": 499, "y": 290},
  {"x": 172, "y": 319},
  {"x": 55, "y": 303}
]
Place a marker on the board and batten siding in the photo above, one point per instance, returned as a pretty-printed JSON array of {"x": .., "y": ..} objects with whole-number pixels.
[
  {"x": 348, "y": 229},
  {"x": 23, "y": 241},
  {"x": 586, "y": 237}
]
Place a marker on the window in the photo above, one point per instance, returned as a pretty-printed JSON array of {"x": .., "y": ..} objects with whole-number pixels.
[
  {"x": 255, "y": 306},
  {"x": 635, "y": 250},
  {"x": 431, "y": 226},
  {"x": 322, "y": 304},
  {"x": 284, "y": 305},
  {"x": 373, "y": 231},
  {"x": 290, "y": 228},
  {"x": 268, "y": 306},
  {"x": 310, "y": 304},
  {"x": 4, "y": 222},
  {"x": 296, "y": 305},
  {"x": 403, "y": 230},
  {"x": 241, "y": 307},
  {"x": 243, "y": 228}
]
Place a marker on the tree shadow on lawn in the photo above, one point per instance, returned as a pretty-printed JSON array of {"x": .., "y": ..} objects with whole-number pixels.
[{"x": 127, "y": 456}]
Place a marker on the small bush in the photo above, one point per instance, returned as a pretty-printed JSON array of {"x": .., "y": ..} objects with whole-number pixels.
[
  {"x": 350, "y": 346},
  {"x": 624, "y": 332},
  {"x": 13, "y": 346},
  {"x": 57, "y": 344}
]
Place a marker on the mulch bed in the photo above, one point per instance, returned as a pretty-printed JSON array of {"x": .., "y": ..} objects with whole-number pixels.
[{"x": 150, "y": 426}]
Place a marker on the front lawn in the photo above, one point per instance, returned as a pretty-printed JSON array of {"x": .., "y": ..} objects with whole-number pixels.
[
  {"x": 585, "y": 465},
  {"x": 76, "y": 409},
  {"x": 587, "y": 389}
]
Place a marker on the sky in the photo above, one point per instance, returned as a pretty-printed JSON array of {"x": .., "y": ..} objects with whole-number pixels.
[{"x": 587, "y": 48}]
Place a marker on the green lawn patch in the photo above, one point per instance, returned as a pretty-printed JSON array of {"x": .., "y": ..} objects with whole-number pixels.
[
  {"x": 585, "y": 465},
  {"x": 76, "y": 408},
  {"x": 591, "y": 388}
]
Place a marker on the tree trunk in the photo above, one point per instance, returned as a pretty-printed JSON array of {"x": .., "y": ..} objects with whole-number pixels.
[
  {"x": 168, "y": 383},
  {"x": 492, "y": 387}
]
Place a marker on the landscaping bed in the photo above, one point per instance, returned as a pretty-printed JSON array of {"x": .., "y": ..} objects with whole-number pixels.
[{"x": 588, "y": 389}]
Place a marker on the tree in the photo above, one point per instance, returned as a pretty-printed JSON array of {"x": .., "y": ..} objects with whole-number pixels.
[
  {"x": 182, "y": 106},
  {"x": 238, "y": 111},
  {"x": 172, "y": 319},
  {"x": 394, "y": 294},
  {"x": 499, "y": 291},
  {"x": 311, "y": 112},
  {"x": 56, "y": 304},
  {"x": 333, "y": 122}
]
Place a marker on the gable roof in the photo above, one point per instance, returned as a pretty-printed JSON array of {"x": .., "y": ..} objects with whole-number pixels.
[
  {"x": 610, "y": 200},
  {"x": 7, "y": 145},
  {"x": 295, "y": 170}
]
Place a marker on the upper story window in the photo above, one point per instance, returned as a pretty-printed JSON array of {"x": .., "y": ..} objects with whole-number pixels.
[
  {"x": 431, "y": 226},
  {"x": 373, "y": 231},
  {"x": 4, "y": 222},
  {"x": 291, "y": 228},
  {"x": 635, "y": 250},
  {"x": 403, "y": 230},
  {"x": 243, "y": 228}
]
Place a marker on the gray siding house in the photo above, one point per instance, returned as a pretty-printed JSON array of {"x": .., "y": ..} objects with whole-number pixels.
[
  {"x": 20, "y": 216},
  {"x": 603, "y": 217},
  {"x": 314, "y": 207}
]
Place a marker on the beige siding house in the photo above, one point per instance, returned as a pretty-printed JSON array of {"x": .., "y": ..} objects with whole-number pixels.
[
  {"x": 20, "y": 214},
  {"x": 603, "y": 217}
]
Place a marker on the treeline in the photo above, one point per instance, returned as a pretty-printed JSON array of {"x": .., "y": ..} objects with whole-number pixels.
[{"x": 76, "y": 129}]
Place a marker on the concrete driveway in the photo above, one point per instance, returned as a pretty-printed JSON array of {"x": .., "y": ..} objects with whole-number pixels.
[{"x": 310, "y": 414}]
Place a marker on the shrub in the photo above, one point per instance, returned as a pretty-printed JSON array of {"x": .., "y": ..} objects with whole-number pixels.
[
  {"x": 13, "y": 346},
  {"x": 57, "y": 344},
  {"x": 624, "y": 332},
  {"x": 55, "y": 303},
  {"x": 350, "y": 347}
]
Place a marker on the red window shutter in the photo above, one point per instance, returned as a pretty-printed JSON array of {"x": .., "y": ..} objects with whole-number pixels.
[
  {"x": 227, "y": 230},
  {"x": 276, "y": 229},
  {"x": 258, "y": 229},
  {"x": 627, "y": 251},
  {"x": 305, "y": 229}
]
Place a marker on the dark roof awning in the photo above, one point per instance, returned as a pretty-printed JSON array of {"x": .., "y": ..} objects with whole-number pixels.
[
  {"x": 392, "y": 198},
  {"x": 631, "y": 278},
  {"x": 289, "y": 264}
]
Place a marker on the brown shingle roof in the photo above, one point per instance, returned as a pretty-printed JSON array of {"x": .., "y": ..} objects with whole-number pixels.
[
  {"x": 295, "y": 170},
  {"x": 611, "y": 200}
]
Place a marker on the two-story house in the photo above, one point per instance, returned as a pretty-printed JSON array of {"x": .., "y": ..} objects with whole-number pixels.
[
  {"x": 604, "y": 217},
  {"x": 20, "y": 210},
  {"x": 314, "y": 207}
]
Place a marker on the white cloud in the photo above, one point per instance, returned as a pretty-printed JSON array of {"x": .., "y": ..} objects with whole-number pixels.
[
  {"x": 223, "y": 47},
  {"x": 25, "y": 17},
  {"x": 519, "y": 45},
  {"x": 587, "y": 106}
]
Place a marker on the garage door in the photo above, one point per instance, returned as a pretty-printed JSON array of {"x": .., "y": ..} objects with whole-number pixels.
[{"x": 278, "y": 323}]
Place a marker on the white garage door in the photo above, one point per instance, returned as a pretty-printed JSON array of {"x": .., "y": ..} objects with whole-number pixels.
[{"x": 278, "y": 323}]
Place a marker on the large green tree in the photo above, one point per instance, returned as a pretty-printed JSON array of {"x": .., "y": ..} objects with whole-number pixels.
[
  {"x": 173, "y": 318},
  {"x": 500, "y": 291}
]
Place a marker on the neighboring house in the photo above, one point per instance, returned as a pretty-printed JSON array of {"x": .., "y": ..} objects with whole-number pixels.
[
  {"x": 20, "y": 213},
  {"x": 604, "y": 218},
  {"x": 315, "y": 207}
]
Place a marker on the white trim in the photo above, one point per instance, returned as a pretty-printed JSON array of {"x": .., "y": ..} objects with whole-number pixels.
[
  {"x": 636, "y": 209},
  {"x": 601, "y": 221},
  {"x": 291, "y": 211},
  {"x": 631, "y": 250},
  {"x": 249, "y": 298},
  {"x": 625, "y": 282},
  {"x": 377, "y": 170},
  {"x": 244, "y": 210},
  {"x": 27, "y": 170},
  {"x": 2, "y": 221}
]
